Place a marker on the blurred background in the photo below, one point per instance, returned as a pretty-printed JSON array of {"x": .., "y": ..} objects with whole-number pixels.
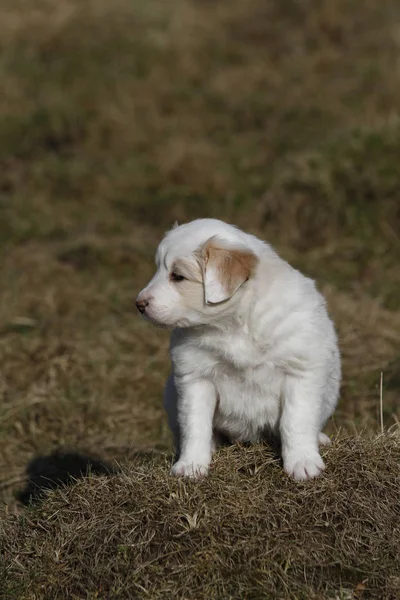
[{"x": 116, "y": 118}]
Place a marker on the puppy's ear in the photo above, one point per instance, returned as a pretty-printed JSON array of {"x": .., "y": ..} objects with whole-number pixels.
[
  {"x": 175, "y": 225},
  {"x": 225, "y": 268}
]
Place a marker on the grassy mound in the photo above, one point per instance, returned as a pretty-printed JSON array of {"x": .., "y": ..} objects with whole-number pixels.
[{"x": 246, "y": 531}]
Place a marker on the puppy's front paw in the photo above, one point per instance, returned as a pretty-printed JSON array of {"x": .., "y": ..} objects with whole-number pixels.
[
  {"x": 184, "y": 468},
  {"x": 303, "y": 467}
]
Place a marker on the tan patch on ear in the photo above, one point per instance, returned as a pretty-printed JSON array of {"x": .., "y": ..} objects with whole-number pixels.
[{"x": 230, "y": 268}]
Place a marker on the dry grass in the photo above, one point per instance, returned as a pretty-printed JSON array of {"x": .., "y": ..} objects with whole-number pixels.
[
  {"x": 246, "y": 531},
  {"x": 115, "y": 120}
]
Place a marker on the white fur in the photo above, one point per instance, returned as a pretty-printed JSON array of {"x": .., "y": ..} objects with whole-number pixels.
[{"x": 264, "y": 361}]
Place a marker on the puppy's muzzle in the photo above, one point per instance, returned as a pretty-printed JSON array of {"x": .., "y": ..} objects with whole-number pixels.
[{"x": 142, "y": 305}]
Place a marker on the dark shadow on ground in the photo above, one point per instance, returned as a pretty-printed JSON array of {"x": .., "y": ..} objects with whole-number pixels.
[
  {"x": 57, "y": 469},
  {"x": 65, "y": 467}
]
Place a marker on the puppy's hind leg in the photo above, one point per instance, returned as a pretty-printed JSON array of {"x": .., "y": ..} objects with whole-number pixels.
[{"x": 323, "y": 439}]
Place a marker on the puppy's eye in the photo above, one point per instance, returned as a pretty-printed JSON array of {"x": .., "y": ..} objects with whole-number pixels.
[{"x": 176, "y": 277}]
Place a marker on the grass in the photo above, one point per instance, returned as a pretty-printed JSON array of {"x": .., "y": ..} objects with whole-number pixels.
[
  {"x": 242, "y": 533},
  {"x": 117, "y": 120}
]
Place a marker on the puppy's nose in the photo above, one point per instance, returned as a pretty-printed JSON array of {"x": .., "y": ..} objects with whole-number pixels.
[{"x": 141, "y": 305}]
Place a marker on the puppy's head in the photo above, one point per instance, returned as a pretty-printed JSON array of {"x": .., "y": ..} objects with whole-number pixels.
[{"x": 201, "y": 269}]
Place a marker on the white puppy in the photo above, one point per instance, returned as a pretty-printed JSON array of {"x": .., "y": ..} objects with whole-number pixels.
[{"x": 253, "y": 349}]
